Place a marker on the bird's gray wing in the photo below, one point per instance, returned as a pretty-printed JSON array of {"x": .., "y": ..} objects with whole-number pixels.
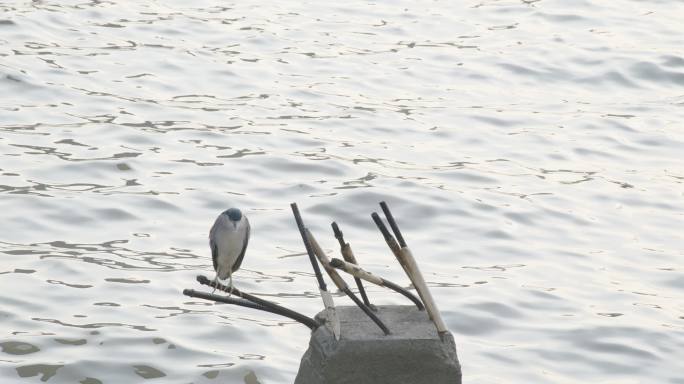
[
  {"x": 236, "y": 266},
  {"x": 214, "y": 249}
]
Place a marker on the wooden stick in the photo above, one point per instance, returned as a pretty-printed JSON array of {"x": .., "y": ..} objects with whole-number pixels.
[
  {"x": 325, "y": 295},
  {"x": 232, "y": 290},
  {"x": 348, "y": 255},
  {"x": 298, "y": 317},
  {"x": 409, "y": 262},
  {"x": 393, "y": 224},
  {"x": 391, "y": 243},
  {"x": 275, "y": 308},
  {"x": 396, "y": 250},
  {"x": 307, "y": 245},
  {"x": 424, "y": 291},
  {"x": 359, "y": 273},
  {"x": 340, "y": 283}
]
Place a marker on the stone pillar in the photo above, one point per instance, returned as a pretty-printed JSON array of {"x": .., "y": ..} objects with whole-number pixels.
[{"x": 412, "y": 354}]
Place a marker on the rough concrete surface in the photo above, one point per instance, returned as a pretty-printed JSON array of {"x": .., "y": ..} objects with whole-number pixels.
[{"x": 412, "y": 354}]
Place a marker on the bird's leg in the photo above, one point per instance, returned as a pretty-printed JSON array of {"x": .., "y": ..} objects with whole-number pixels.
[
  {"x": 230, "y": 282},
  {"x": 215, "y": 283}
]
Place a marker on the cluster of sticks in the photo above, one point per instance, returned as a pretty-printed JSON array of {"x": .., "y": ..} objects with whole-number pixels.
[{"x": 348, "y": 265}]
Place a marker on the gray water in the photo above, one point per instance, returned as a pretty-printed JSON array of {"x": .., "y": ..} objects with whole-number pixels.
[{"x": 532, "y": 152}]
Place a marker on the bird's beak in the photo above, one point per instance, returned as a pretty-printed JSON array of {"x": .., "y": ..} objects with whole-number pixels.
[{"x": 235, "y": 224}]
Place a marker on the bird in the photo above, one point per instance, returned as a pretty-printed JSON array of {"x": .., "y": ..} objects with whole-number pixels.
[{"x": 228, "y": 239}]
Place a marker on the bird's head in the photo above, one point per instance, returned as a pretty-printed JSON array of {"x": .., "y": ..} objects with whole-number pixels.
[{"x": 233, "y": 214}]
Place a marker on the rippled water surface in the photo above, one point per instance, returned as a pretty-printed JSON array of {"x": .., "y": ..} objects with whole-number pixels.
[{"x": 532, "y": 152}]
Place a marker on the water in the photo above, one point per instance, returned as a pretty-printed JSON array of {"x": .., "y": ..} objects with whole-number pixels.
[{"x": 531, "y": 152}]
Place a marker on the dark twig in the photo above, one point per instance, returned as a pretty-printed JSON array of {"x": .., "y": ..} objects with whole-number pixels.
[
  {"x": 393, "y": 224},
  {"x": 255, "y": 299},
  {"x": 406, "y": 259},
  {"x": 341, "y": 284},
  {"x": 307, "y": 245},
  {"x": 358, "y": 272},
  {"x": 392, "y": 244},
  {"x": 232, "y": 290},
  {"x": 325, "y": 294},
  {"x": 348, "y": 255},
  {"x": 309, "y": 322}
]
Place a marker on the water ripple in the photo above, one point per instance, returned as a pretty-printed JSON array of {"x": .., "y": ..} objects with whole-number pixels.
[{"x": 530, "y": 150}]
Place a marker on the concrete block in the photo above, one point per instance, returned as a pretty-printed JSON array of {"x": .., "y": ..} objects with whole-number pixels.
[{"x": 412, "y": 354}]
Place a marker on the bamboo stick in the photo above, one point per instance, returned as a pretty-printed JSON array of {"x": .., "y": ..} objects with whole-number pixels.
[
  {"x": 348, "y": 255},
  {"x": 409, "y": 263},
  {"x": 341, "y": 284},
  {"x": 325, "y": 294},
  {"x": 359, "y": 273}
]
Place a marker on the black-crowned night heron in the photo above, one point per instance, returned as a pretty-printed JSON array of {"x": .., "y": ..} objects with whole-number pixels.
[{"x": 228, "y": 240}]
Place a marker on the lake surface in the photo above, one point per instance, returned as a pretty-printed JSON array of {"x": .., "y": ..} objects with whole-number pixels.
[{"x": 532, "y": 152}]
